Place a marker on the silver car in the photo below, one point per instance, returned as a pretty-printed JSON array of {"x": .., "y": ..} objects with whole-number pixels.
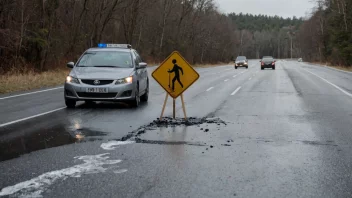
[
  {"x": 241, "y": 61},
  {"x": 111, "y": 72}
]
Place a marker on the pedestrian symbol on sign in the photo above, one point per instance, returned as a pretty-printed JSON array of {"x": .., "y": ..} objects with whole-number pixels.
[{"x": 176, "y": 69}]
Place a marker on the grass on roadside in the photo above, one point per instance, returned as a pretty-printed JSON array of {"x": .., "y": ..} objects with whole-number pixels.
[
  {"x": 211, "y": 65},
  {"x": 341, "y": 68},
  {"x": 12, "y": 82},
  {"x": 334, "y": 66}
]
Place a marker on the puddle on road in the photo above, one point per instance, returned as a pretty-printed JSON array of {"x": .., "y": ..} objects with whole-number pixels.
[{"x": 57, "y": 136}]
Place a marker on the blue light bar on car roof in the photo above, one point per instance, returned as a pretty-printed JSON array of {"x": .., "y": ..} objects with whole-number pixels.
[{"x": 104, "y": 45}]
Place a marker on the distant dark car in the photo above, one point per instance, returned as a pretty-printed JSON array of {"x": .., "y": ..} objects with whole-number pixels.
[
  {"x": 267, "y": 62},
  {"x": 241, "y": 61}
]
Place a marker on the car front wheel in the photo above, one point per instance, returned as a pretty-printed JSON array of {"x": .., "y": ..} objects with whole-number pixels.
[
  {"x": 137, "y": 99},
  {"x": 145, "y": 96}
]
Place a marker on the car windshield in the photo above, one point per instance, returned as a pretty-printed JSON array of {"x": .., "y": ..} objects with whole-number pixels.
[
  {"x": 106, "y": 59},
  {"x": 241, "y": 58}
]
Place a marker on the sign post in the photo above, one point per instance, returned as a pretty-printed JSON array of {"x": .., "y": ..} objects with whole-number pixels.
[{"x": 175, "y": 75}]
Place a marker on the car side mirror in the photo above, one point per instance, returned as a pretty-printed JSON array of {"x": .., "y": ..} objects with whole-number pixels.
[
  {"x": 70, "y": 64},
  {"x": 142, "y": 65}
]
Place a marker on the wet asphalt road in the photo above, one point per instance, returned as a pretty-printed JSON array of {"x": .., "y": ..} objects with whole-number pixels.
[{"x": 288, "y": 133}]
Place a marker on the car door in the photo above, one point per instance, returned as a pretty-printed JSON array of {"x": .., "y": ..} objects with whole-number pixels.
[{"x": 141, "y": 73}]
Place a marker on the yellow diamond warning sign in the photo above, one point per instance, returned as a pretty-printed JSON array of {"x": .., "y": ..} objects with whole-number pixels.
[{"x": 175, "y": 75}]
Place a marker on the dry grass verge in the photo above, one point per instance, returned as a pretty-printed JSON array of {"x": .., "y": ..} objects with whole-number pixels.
[
  {"x": 12, "y": 82},
  {"x": 342, "y": 68},
  {"x": 211, "y": 65},
  {"x": 349, "y": 69}
]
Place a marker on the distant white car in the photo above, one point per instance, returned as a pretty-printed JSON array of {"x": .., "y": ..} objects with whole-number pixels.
[{"x": 300, "y": 60}]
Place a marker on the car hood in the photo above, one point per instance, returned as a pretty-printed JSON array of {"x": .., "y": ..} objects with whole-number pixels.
[{"x": 101, "y": 73}]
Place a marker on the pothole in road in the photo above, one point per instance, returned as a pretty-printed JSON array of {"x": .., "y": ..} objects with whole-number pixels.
[{"x": 168, "y": 131}]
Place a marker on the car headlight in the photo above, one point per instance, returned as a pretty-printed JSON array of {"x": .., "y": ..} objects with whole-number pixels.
[
  {"x": 245, "y": 63},
  {"x": 127, "y": 80},
  {"x": 71, "y": 79}
]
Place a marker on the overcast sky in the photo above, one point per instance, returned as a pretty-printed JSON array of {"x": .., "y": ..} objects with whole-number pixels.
[{"x": 284, "y": 8}]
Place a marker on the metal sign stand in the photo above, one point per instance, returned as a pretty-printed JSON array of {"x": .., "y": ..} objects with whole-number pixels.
[{"x": 173, "y": 107}]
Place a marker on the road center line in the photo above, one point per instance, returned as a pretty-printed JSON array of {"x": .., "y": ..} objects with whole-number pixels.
[
  {"x": 226, "y": 80},
  {"x": 233, "y": 93},
  {"x": 332, "y": 84},
  {"x": 14, "y": 96},
  {"x": 234, "y": 76},
  {"x": 210, "y": 88},
  {"x": 250, "y": 78},
  {"x": 24, "y": 119}
]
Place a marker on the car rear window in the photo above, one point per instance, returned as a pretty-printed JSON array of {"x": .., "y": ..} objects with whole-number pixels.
[
  {"x": 268, "y": 59},
  {"x": 240, "y": 58},
  {"x": 106, "y": 59}
]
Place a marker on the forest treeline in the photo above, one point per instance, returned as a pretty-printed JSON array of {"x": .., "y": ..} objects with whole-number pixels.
[
  {"x": 43, "y": 34},
  {"x": 327, "y": 35}
]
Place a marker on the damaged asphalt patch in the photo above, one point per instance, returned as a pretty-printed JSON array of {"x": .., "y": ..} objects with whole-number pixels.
[{"x": 169, "y": 131}]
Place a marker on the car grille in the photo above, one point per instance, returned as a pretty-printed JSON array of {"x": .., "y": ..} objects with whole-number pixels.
[
  {"x": 102, "y": 82},
  {"x": 96, "y": 95}
]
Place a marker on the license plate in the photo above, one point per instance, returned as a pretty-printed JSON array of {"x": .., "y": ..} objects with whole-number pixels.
[{"x": 97, "y": 90}]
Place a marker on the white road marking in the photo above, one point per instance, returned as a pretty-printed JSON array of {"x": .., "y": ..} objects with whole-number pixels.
[
  {"x": 38, "y": 115},
  {"x": 226, "y": 80},
  {"x": 244, "y": 72},
  {"x": 92, "y": 164},
  {"x": 120, "y": 171},
  {"x": 234, "y": 76},
  {"x": 332, "y": 84},
  {"x": 210, "y": 88},
  {"x": 25, "y": 94},
  {"x": 233, "y": 93},
  {"x": 112, "y": 144},
  {"x": 250, "y": 78}
]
